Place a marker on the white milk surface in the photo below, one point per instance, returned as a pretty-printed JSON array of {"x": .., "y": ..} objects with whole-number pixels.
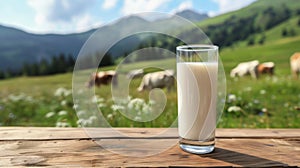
[{"x": 197, "y": 94}]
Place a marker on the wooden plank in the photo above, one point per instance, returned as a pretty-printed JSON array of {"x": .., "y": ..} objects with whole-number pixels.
[
  {"x": 87, "y": 153},
  {"x": 258, "y": 133},
  {"x": 42, "y": 133}
]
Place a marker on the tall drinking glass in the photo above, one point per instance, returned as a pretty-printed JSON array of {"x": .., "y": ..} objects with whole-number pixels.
[{"x": 197, "y": 71}]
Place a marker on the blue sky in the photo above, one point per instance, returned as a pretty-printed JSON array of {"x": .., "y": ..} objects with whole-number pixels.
[{"x": 69, "y": 16}]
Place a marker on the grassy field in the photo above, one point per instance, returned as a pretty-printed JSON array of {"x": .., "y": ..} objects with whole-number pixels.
[{"x": 269, "y": 102}]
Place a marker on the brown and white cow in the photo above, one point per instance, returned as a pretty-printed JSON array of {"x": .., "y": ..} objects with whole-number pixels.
[
  {"x": 245, "y": 68},
  {"x": 266, "y": 68},
  {"x": 295, "y": 64},
  {"x": 102, "y": 78},
  {"x": 160, "y": 79}
]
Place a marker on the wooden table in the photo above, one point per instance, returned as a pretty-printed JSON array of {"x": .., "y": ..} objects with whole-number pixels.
[{"x": 71, "y": 147}]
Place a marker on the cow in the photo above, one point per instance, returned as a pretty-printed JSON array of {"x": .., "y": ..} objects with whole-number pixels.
[
  {"x": 102, "y": 78},
  {"x": 266, "y": 68},
  {"x": 160, "y": 79},
  {"x": 136, "y": 73},
  {"x": 245, "y": 68},
  {"x": 295, "y": 64}
]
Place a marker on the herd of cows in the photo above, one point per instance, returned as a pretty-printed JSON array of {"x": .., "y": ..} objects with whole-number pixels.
[
  {"x": 254, "y": 68},
  {"x": 165, "y": 79},
  {"x": 160, "y": 79}
]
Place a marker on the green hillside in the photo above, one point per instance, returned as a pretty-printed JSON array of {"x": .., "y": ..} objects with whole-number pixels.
[
  {"x": 276, "y": 48},
  {"x": 251, "y": 23},
  {"x": 253, "y": 9},
  {"x": 269, "y": 102}
]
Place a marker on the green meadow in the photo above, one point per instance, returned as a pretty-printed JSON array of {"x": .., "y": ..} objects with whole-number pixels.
[{"x": 268, "y": 102}]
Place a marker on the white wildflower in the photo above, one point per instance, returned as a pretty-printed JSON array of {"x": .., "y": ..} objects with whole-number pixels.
[
  {"x": 50, "y": 114},
  {"x": 83, "y": 122},
  {"x": 63, "y": 103},
  {"x": 22, "y": 96},
  {"x": 58, "y": 124},
  {"x": 97, "y": 99},
  {"x": 231, "y": 98},
  {"x": 262, "y": 92},
  {"x": 116, "y": 107},
  {"x": 65, "y": 124},
  {"x": 109, "y": 116},
  {"x": 62, "y": 92},
  {"x": 62, "y": 124},
  {"x": 80, "y": 122},
  {"x": 101, "y": 105},
  {"x": 136, "y": 104},
  {"x": 130, "y": 105},
  {"x": 234, "y": 109},
  {"x": 63, "y": 112},
  {"x": 136, "y": 101},
  {"x": 75, "y": 106},
  {"x": 59, "y": 92},
  {"x": 264, "y": 110}
]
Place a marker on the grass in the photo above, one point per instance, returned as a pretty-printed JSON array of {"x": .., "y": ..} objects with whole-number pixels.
[
  {"x": 269, "y": 102},
  {"x": 35, "y": 86}
]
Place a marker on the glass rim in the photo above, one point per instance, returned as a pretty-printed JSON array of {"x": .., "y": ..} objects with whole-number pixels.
[{"x": 197, "y": 47}]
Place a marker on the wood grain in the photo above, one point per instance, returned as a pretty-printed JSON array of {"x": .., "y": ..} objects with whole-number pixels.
[
  {"x": 52, "y": 133},
  {"x": 71, "y": 147}
]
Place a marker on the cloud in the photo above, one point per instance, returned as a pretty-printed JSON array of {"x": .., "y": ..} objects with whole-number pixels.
[
  {"x": 183, "y": 6},
  {"x": 109, "y": 4},
  {"x": 230, "y": 5},
  {"x": 58, "y": 10},
  {"x": 60, "y": 13},
  {"x": 137, "y": 6},
  {"x": 86, "y": 22}
]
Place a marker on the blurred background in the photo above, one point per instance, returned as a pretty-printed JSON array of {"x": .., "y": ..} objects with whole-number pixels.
[{"x": 41, "y": 41}]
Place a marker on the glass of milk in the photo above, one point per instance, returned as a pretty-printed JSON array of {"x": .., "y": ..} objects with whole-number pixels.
[{"x": 197, "y": 71}]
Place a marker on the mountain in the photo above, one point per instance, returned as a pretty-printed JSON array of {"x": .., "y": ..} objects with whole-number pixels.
[
  {"x": 19, "y": 47},
  {"x": 192, "y": 15},
  {"x": 261, "y": 22}
]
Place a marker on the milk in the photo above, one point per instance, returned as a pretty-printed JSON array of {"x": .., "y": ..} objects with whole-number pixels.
[{"x": 197, "y": 94}]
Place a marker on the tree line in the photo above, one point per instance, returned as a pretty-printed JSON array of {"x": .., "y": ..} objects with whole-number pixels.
[
  {"x": 56, "y": 64},
  {"x": 61, "y": 63},
  {"x": 243, "y": 28}
]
